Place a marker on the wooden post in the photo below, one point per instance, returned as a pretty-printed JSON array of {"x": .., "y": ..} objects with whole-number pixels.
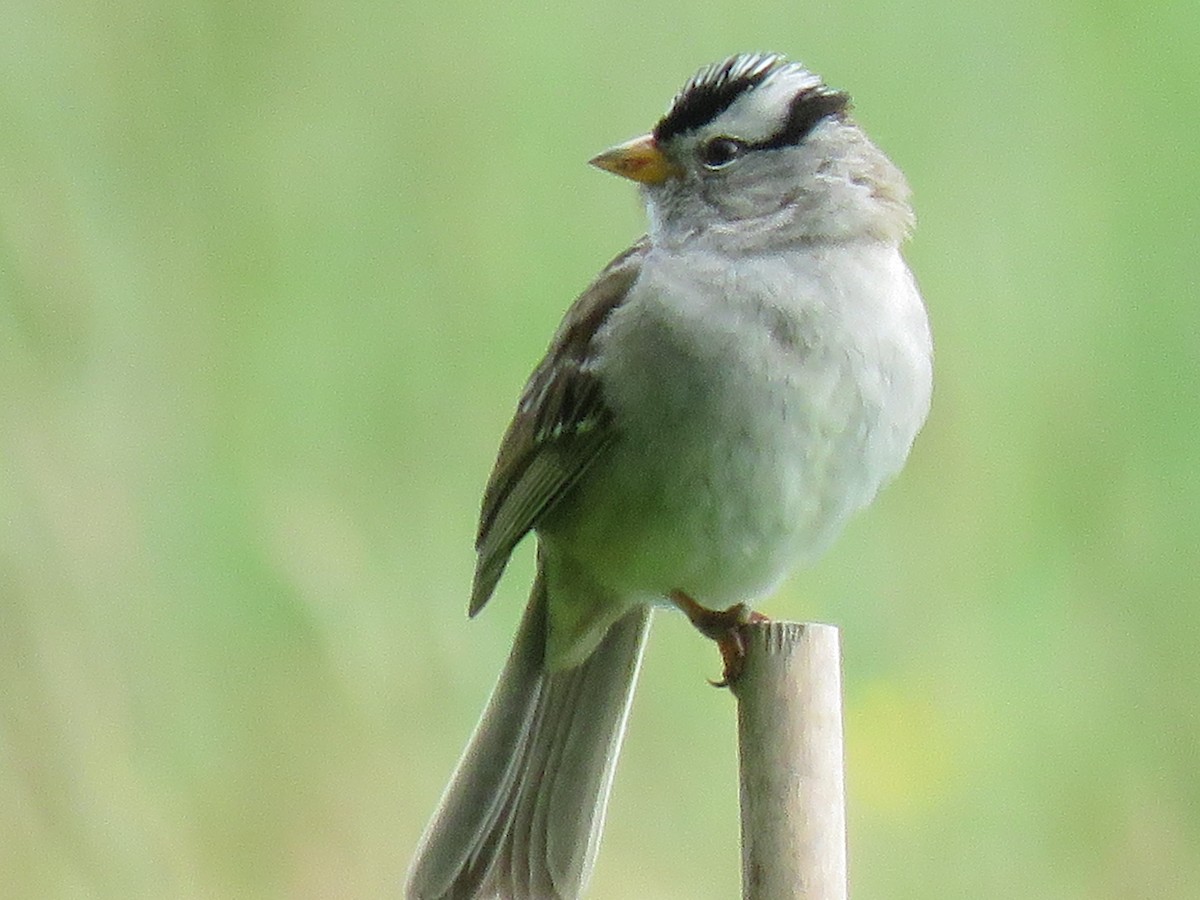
[{"x": 790, "y": 748}]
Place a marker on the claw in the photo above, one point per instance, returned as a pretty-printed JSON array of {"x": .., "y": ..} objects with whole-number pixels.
[{"x": 723, "y": 626}]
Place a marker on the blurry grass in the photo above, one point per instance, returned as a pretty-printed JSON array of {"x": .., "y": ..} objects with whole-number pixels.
[{"x": 270, "y": 280}]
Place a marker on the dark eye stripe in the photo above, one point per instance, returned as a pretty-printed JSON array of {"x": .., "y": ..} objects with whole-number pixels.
[{"x": 808, "y": 108}]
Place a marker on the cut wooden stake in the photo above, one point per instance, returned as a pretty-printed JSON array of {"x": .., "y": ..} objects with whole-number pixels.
[{"x": 790, "y": 748}]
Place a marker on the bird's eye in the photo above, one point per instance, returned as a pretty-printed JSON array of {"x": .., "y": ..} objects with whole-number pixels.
[{"x": 720, "y": 152}]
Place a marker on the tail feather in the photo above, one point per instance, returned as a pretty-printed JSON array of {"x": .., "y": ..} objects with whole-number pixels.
[{"x": 522, "y": 816}]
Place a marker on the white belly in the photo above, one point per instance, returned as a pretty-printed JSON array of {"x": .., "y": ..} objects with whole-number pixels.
[{"x": 750, "y": 431}]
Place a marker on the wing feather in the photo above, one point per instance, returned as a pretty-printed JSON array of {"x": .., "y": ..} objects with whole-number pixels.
[{"x": 561, "y": 426}]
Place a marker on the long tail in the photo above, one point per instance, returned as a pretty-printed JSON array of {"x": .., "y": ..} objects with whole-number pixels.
[{"x": 522, "y": 816}]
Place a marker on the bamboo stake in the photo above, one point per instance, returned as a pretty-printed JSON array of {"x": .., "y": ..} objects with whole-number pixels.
[{"x": 790, "y": 747}]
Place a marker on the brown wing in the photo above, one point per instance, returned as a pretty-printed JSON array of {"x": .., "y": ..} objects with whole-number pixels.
[{"x": 560, "y": 427}]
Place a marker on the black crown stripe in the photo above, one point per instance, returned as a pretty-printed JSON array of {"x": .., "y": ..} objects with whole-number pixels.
[{"x": 713, "y": 90}]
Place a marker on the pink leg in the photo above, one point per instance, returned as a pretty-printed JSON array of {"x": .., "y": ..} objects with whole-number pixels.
[{"x": 724, "y": 627}]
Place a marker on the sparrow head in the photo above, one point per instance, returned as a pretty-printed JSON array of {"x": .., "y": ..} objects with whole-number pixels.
[{"x": 758, "y": 150}]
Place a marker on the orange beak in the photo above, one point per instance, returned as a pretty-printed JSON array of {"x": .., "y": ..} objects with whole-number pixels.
[{"x": 640, "y": 160}]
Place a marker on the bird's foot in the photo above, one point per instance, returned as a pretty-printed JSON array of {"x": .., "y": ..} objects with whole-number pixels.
[{"x": 723, "y": 626}]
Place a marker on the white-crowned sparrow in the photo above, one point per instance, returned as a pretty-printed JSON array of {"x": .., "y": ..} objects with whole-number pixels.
[{"x": 711, "y": 411}]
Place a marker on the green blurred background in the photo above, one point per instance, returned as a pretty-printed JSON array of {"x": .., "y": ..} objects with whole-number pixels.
[{"x": 271, "y": 278}]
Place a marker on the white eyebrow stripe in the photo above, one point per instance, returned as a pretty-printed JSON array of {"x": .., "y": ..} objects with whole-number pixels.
[{"x": 760, "y": 113}]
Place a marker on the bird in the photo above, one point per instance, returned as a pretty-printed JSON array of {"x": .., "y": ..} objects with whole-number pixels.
[{"x": 709, "y": 414}]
